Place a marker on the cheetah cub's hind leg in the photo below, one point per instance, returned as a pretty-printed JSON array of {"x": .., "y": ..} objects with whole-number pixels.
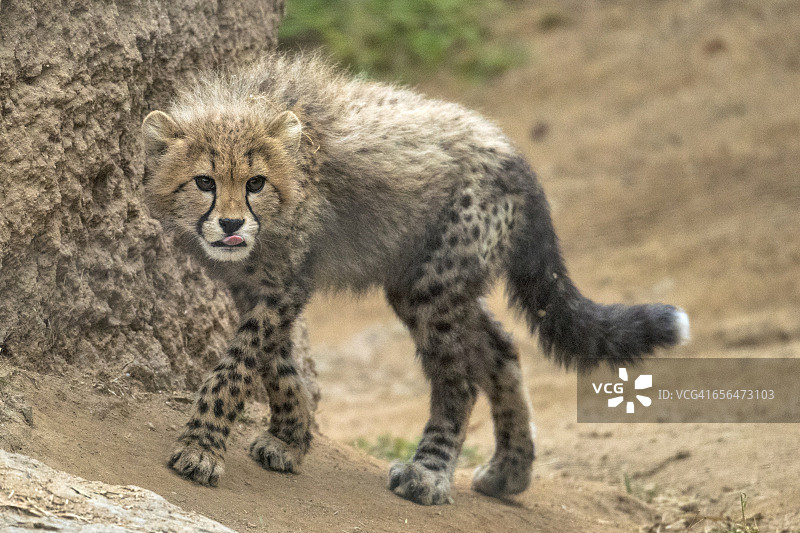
[
  {"x": 439, "y": 303},
  {"x": 509, "y": 470},
  {"x": 427, "y": 478}
]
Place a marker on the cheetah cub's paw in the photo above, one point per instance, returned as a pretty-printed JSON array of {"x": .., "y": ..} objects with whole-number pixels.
[
  {"x": 196, "y": 464},
  {"x": 501, "y": 478},
  {"x": 273, "y": 454},
  {"x": 414, "y": 482}
]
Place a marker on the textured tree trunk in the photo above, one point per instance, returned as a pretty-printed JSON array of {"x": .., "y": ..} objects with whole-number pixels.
[{"x": 87, "y": 278}]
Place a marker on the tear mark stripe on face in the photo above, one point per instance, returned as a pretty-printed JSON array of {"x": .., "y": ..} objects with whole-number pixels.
[
  {"x": 206, "y": 214},
  {"x": 255, "y": 217}
]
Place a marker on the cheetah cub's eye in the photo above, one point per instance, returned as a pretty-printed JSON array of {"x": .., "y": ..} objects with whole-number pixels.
[
  {"x": 256, "y": 183},
  {"x": 205, "y": 183}
]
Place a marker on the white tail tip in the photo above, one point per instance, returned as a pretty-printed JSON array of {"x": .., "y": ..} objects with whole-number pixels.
[{"x": 682, "y": 321}]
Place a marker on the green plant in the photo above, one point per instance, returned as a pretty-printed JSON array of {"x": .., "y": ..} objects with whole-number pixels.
[
  {"x": 402, "y": 39},
  {"x": 735, "y": 527},
  {"x": 388, "y": 447},
  {"x": 392, "y": 448},
  {"x": 636, "y": 489}
]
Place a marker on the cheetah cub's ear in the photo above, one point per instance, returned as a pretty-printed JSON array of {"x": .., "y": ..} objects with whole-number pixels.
[
  {"x": 159, "y": 131},
  {"x": 287, "y": 128}
]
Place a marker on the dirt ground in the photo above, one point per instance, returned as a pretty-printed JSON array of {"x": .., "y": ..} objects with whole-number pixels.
[{"x": 666, "y": 135}]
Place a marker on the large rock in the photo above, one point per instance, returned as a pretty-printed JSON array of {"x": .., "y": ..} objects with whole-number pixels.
[
  {"x": 35, "y": 496},
  {"x": 87, "y": 278}
]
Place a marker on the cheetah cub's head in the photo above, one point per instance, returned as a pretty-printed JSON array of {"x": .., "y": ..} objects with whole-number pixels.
[{"x": 221, "y": 179}]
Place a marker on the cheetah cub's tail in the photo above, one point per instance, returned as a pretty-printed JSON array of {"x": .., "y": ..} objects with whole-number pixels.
[{"x": 572, "y": 328}]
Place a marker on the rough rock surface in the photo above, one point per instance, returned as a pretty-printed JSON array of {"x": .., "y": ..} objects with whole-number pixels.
[
  {"x": 87, "y": 279},
  {"x": 35, "y": 496}
]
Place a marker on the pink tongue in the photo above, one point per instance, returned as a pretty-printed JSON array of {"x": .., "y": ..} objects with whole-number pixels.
[{"x": 233, "y": 240}]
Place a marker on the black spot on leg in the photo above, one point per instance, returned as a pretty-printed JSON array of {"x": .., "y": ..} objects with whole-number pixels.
[
  {"x": 466, "y": 200},
  {"x": 235, "y": 352},
  {"x": 251, "y": 326},
  {"x": 433, "y": 465},
  {"x": 234, "y": 390},
  {"x": 476, "y": 232},
  {"x": 435, "y": 290},
  {"x": 250, "y": 269},
  {"x": 286, "y": 370},
  {"x": 503, "y": 439},
  {"x": 271, "y": 347},
  {"x": 443, "y": 441},
  {"x": 429, "y": 450},
  {"x": 218, "y": 408},
  {"x": 453, "y": 240},
  {"x": 202, "y": 407},
  {"x": 271, "y": 301},
  {"x": 443, "y": 327},
  {"x": 250, "y": 361}
]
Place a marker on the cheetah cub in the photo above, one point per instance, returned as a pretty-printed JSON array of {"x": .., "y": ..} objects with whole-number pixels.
[{"x": 288, "y": 177}]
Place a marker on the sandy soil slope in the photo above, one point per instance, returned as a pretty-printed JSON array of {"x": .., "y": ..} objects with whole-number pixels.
[
  {"x": 124, "y": 437},
  {"x": 666, "y": 135}
]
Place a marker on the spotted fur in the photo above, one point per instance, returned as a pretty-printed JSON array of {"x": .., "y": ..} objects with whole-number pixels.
[{"x": 366, "y": 185}]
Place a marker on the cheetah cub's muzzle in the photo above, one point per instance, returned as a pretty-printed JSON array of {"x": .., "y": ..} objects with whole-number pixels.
[{"x": 227, "y": 239}]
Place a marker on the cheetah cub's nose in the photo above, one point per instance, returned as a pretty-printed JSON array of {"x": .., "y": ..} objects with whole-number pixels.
[{"x": 229, "y": 225}]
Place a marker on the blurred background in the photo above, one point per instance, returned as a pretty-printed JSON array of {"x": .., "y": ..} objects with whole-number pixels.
[{"x": 667, "y": 137}]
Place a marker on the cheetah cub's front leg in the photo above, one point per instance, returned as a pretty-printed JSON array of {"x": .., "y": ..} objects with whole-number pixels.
[{"x": 261, "y": 347}]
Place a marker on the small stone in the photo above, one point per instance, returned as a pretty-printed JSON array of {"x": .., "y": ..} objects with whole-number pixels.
[
  {"x": 27, "y": 414},
  {"x": 150, "y": 426}
]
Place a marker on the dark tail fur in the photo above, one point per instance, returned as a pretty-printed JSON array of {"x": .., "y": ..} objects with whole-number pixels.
[{"x": 572, "y": 328}]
